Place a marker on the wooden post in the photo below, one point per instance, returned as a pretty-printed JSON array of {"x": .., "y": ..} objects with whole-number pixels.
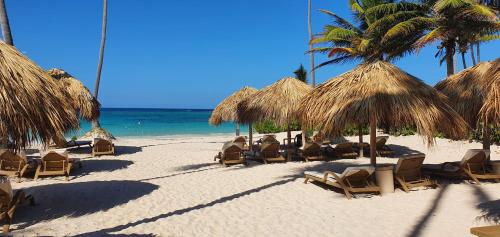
[
  {"x": 361, "y": 150},
  {"x": 304, "y": 137},
  {"x": 289, "y": 136},
  {"x": 373, "y": 140},
  {"x": 237, "y": 129},
  {"x": 250, "y": 136},
  {"x": 486, "y": 137}
]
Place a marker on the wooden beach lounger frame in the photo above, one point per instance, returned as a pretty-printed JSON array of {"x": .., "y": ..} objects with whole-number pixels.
[
  {"x": 14, "y": 164},
  {"x": 269, "y": 152},
  {"x": 344, "y": 151},
  {"x": 8, "y": 206},
  {"x": 103, "y": 147},
  {"x": 55, "y": 163},
  {"x": 473, "y": 165},
  {"x": 352, "y": 180},
  {"x": 408, "y": 173},
  {"x": 311, "y": 151},
  {"x": 231, "y": 154}
]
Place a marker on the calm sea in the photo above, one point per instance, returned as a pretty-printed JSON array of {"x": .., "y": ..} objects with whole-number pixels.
[{"x": 157, "y": 122}]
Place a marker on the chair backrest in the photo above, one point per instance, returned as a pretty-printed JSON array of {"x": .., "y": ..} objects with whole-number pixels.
[
  {"x": 102, "y": 145},
  {"x": 344, "y": 147},
  {"x": 475, "y": 160},
  {"x": 311, "y": 149},
  {"x": 357, "y": 176},
  {"x": 241, "y": 140},
  {"x": 268, "y": 138},
  {"x": 6, "y": 194},
  {"x": 231, "y": 151},
  {"x": 53, "y": 160},
  {"x": 381, "y": 140},
  {"x": 10, "y": 161},
  {"x": 408, "y": 167},
  {"x": 270, "y": 149}
]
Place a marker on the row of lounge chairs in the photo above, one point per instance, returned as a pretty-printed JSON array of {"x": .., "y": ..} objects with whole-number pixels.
[{"x": 408, "y": 173}]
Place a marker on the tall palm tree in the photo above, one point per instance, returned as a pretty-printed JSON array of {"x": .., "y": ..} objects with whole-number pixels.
[
  {"x": 309, "y": 27},
  {"x": 449, "y": 22},
  {"x": 4, "y": 21},
  {"x": 362, "y": 41},
  {"x": 95, "y": 123}
]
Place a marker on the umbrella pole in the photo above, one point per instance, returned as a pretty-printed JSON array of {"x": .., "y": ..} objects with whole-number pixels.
[
  {"x": 237, "y": 129},
  {"x": 250, "y": 136},
  {"x": 361, "y": 150},
  {"x": 373, "y": 145},
  {"x": 486, "y": 137}
]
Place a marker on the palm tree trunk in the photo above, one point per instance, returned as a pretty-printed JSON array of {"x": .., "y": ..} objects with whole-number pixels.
[
  {"x": 478, "y": 54},
  {"x": 472, "y": 55},
  {"x": 463, "y": 60},
  {"x": 309, "y": 26},
  {"x": 95, "y": 123},
  {"x": 450, "y": 69},
  {"x": 4, "y": 20}
]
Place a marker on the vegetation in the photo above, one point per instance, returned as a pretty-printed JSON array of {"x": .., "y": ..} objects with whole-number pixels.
[{"x": 301, "y": 74}]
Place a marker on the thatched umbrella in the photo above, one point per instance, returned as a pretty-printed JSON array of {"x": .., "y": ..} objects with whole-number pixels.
[
  {"x": 226, "y": 110},
  {"x": 468, "y": 90},
  {"x": 82, "y": 99},
  {"x": 380, "y": 93},
  {"x": 278, "y": 102},
  {"x": 32, "y": 104}
]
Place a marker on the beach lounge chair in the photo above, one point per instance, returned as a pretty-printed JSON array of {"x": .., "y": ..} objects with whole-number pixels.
[
  {"x": 409, "y": 175},
  {"x": 311, "y": 152},
  {"x": 102, "y": 147},
  {"x": 15, "y": 164},
  {"x": 56, "y": 163},
  {"x": 71, "y": 144},
  {"x": 9, "y": 203},
  {"x": 231, "y": 154},
  {"x": 352, "y": 180},
  {"x": 344, "y": 151},
  {"x": 269, "y": 152},
  {"x": 382, "y": 148},
  {"x": 473, "y": 165},
  {"x": 242, "y": 142}
]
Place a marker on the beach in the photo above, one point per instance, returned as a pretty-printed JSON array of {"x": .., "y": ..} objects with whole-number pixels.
[{"x": 170, "y": 186}]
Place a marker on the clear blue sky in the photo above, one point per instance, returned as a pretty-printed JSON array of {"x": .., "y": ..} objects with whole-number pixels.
[{"x": 184, "y": 54}]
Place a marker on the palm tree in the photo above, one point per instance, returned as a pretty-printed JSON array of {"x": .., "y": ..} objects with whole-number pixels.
[
  {"x": 362, "y": 41},
  {"x": 301, "y": 74},
  {"x": 452, "y": 22},
  {"x": 95, "y": 123},
  {"x": 309, "y": 27},
  {"x": 4, "y": 20}
]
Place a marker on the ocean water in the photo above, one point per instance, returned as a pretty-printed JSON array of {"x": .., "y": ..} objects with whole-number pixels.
[{"x": 157, "y": 122}]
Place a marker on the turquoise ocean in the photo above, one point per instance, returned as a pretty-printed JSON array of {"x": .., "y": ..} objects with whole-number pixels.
[{"x": 157, "y": 122}]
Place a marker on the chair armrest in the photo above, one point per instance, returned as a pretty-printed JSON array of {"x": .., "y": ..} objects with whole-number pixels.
[{"x": 335, "y": 176}]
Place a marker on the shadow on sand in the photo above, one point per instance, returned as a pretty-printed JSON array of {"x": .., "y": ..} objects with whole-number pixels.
[
  {"x": 100, "y": 165},
  {"x": 74, "y": 199},
  {"x": 119, "y": 150}
]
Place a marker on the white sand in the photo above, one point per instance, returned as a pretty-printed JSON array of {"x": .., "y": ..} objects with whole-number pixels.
[{"x": 172, "y": 187}]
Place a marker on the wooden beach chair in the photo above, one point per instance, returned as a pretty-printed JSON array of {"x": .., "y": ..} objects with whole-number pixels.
[
  {"x": 311, "y": 152},
  {"x": 231, "y": 154},
  {"x": 56, "y": 163},
  {"x": 382, "y": 148},
  {"x": 344, "y": 151},
  {"x": 71, "y": 144},
  {"x": 486, "y": 231},
  {"x": 352, "y": 180},
  {"x": 269, "y": 152},
  {"x": 409, "y": 175},
  {"x": 102, "y": 147},
  {"x": 9, "y": 203},
  {"x": 15, "y": 164},
  {"x": 473, "y": 165}
]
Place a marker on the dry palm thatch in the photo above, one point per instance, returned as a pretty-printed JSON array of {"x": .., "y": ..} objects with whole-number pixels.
[
  {"x": 226, "y": 110},
  {"x": 98, "y": 132},
  {"x": 278, "y": 102},
  {"x": 32, "y": 104},
  {"x": 490, "y": 112},
  {"x": 467, "y": 91},
  {"x": 81, "y": 98},
  {"x": 380, "y": 93}
]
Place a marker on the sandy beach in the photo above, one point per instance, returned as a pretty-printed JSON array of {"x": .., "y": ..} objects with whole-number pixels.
[{"x": 172, "y": 187}]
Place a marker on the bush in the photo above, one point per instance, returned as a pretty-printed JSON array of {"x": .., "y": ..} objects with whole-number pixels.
[{"x": 269, "y": 126}]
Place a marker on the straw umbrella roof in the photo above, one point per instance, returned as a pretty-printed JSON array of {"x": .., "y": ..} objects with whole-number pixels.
[
  {"x": 490, "y": 112},
  {"x": 278, "y": 102},
  {"x": 380, "y": 89},
  {"x": 32, "y": 104},
  {"x": 468, "y": 89},
  {"x": 226, "y": 110},
  {"x": 81, "y": 98}
]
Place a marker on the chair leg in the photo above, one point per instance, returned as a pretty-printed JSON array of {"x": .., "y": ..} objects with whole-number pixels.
[
  {"x": 403, "y": 184},
  {"x": 306, "y": 180},
  {"x": 6, "y": 225},
  {"x": 472, "y": 176},
  {"x": 37, "y": 173}
]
